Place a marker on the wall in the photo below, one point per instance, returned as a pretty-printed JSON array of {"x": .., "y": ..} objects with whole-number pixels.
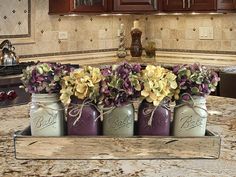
[
  {"x": 182, "y": 32},
  {"x": 100, "y": 32}
]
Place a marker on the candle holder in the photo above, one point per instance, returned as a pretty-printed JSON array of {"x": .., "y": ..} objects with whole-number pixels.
[{"x": 121, "y": 53}]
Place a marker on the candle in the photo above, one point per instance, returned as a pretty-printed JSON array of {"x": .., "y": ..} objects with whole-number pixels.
[
  {"x": 136, "y": 24},
  {"x": 122, "y": 26}
]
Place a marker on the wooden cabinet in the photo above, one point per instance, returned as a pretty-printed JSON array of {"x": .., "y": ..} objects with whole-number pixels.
[
  {"x": 90, "y": 5},
  {"x": 73, "y": 6},
  {"x": 227, "y": 88},
  {"x": 135, "y": 5},
  {"x": 189, "y": 5},
  {"x": 139, "y": 6},
  {"x": 103, "y": 6},
  {"x": 174, "y": 5},
  {"x": 202, "y": 5},
  {"x": 226, "y": 5}
]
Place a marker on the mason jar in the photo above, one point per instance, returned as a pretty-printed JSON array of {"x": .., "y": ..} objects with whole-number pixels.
[
  {"x": 47, "y": 115},
  {"x": 83, "y": 119},
  {"x": 119, "y": 121},
  {"x": 154, "y": 120},
  {"x": 190, "y": 117}
]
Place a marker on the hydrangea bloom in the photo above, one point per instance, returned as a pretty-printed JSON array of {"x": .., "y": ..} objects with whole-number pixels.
[
  {"x": 158, "y": 84},
  {"x": 82, "y": 83},
  {"x": 120, "y": 84},
  {"x": 44, "y": 77},
  {"x": 194, "y": 80}
]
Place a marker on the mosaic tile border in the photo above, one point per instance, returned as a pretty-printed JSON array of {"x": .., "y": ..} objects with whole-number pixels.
[
  {"x": 67, "y": 53},
  {"x": 198, "y": 51},
  {"x": 29, "y": 26}
]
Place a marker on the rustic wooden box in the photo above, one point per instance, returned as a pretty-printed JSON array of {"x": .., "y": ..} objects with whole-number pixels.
[{"x": 102, "y": 147}]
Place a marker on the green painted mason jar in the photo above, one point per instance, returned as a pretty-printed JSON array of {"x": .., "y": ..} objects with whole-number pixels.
[{"x": 119, "y": 121}]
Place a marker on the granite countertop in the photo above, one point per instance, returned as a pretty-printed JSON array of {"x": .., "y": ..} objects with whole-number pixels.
[
  {"x": 167, "y": 59},
  {"x": 215, "y": 61},
  {"x": 16, "y": 118}
]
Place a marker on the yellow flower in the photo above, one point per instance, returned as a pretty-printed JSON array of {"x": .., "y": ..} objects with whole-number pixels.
[
  {"x": 83, "y": 83},
  {"x": 158, "y": 84}
]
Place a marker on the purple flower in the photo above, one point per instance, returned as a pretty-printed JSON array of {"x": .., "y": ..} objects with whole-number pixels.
[
  {"x": 186, "y": 97},
  {"x": 107, "y": 71},
  {"x": 136, "y": 68},
  {"x": 39, "y": 78},
  {"x": 117, "y": 87},
  {"x": 195, "y": 80}
]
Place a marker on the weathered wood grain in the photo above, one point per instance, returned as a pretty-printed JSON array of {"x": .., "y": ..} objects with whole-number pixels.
[{"x": 149, "y": 147}]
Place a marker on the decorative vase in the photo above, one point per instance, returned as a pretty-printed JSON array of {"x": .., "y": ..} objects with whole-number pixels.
[
  {"x": 47, "y": 115},
  {"x": 190, "y": 117},
  {"x": 136, "y": 45},
  {"x": 119, "y": 121},
  {"x": 83, "y": 118},
  {"x": 154, "y": 120}
]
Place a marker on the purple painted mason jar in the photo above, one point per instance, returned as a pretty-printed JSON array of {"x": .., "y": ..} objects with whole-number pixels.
[
  {"x": 154, "y": 123},
  {"x": 84, "y": 123}
]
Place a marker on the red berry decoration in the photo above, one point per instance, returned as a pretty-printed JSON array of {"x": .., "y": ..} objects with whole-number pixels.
[
  {"x": 11, "y": 95},
  {"x": 3, "y": 96}
]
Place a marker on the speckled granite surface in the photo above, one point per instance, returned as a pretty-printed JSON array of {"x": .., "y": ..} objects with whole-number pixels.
[{"x": 15, "y": 118}]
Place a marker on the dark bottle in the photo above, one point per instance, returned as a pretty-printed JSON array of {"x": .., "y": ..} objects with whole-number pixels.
[
  {"x": 160, "y": 123},
  {"x": 87, "y": 124},
  {"x": 136, "y": 45}
]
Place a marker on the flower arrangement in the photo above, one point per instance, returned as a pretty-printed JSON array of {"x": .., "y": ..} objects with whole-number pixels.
[
  {"x": 194, "y": 80},
  {"x": 158, "y": 84},
  {"x": 120, "y": 84},
  {"x": 44, "y": 77},
  {"x": 81, "y": 83}
]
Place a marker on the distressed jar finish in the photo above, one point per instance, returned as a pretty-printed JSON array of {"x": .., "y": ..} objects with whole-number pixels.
[
  {"x": 119, "y": 121},
  {"x": 190, "y": 118},
  {"x": 83, "y": 119},
  {"x": 47, "y": 115},
  {"x": 154, "y": 120}
]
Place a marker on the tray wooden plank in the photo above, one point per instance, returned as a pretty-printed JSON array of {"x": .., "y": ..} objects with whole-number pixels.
[{"x": 102, "y": 147}]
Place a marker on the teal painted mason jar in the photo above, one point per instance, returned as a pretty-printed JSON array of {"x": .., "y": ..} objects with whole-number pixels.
[{"x": 119, "y": 121}]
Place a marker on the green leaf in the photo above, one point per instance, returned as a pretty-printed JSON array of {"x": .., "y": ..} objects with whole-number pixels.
[{"x": 195, "y": 90}]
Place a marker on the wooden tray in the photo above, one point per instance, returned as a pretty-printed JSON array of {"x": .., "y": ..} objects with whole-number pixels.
[{"x": 102, "y": 147}]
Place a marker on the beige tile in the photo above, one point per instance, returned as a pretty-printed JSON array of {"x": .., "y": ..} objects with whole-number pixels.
[
  {"x": 191, "y": 33},
  {"x": 226, "y": 45}
]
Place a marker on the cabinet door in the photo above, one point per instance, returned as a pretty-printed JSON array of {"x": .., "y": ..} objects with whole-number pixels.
[
  {"x": 226, "y": 4},
  {"x": 60, "y": 6},
  {"x": 134, "y": 5},
  {"x": 174, "y": 5},
  {"x": 71, "y": 6},
  {"x": 202, "y": 5},
  {"x": 89, "y": 5}
]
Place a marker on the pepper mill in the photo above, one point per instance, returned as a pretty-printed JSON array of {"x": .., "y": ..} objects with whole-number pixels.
[{"x": 136, "y": 45}]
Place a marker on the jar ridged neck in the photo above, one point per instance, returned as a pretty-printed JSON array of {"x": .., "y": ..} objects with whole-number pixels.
[{"x": 45, "y": 98}]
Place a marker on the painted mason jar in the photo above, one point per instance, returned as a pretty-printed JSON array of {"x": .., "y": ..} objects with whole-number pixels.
[
  {"x": 119, "y": 121},
  {"x": 190, "y": 118},
  {"x": 47, "y": 115},
  {"x": 83, "y": 118},
  {"x": 154, "y": 120}
]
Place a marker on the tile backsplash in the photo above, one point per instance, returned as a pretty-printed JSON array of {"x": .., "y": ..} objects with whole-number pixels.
[
  {"x": 15, "y": 21},
  {"x": 100, "y": 32}
]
